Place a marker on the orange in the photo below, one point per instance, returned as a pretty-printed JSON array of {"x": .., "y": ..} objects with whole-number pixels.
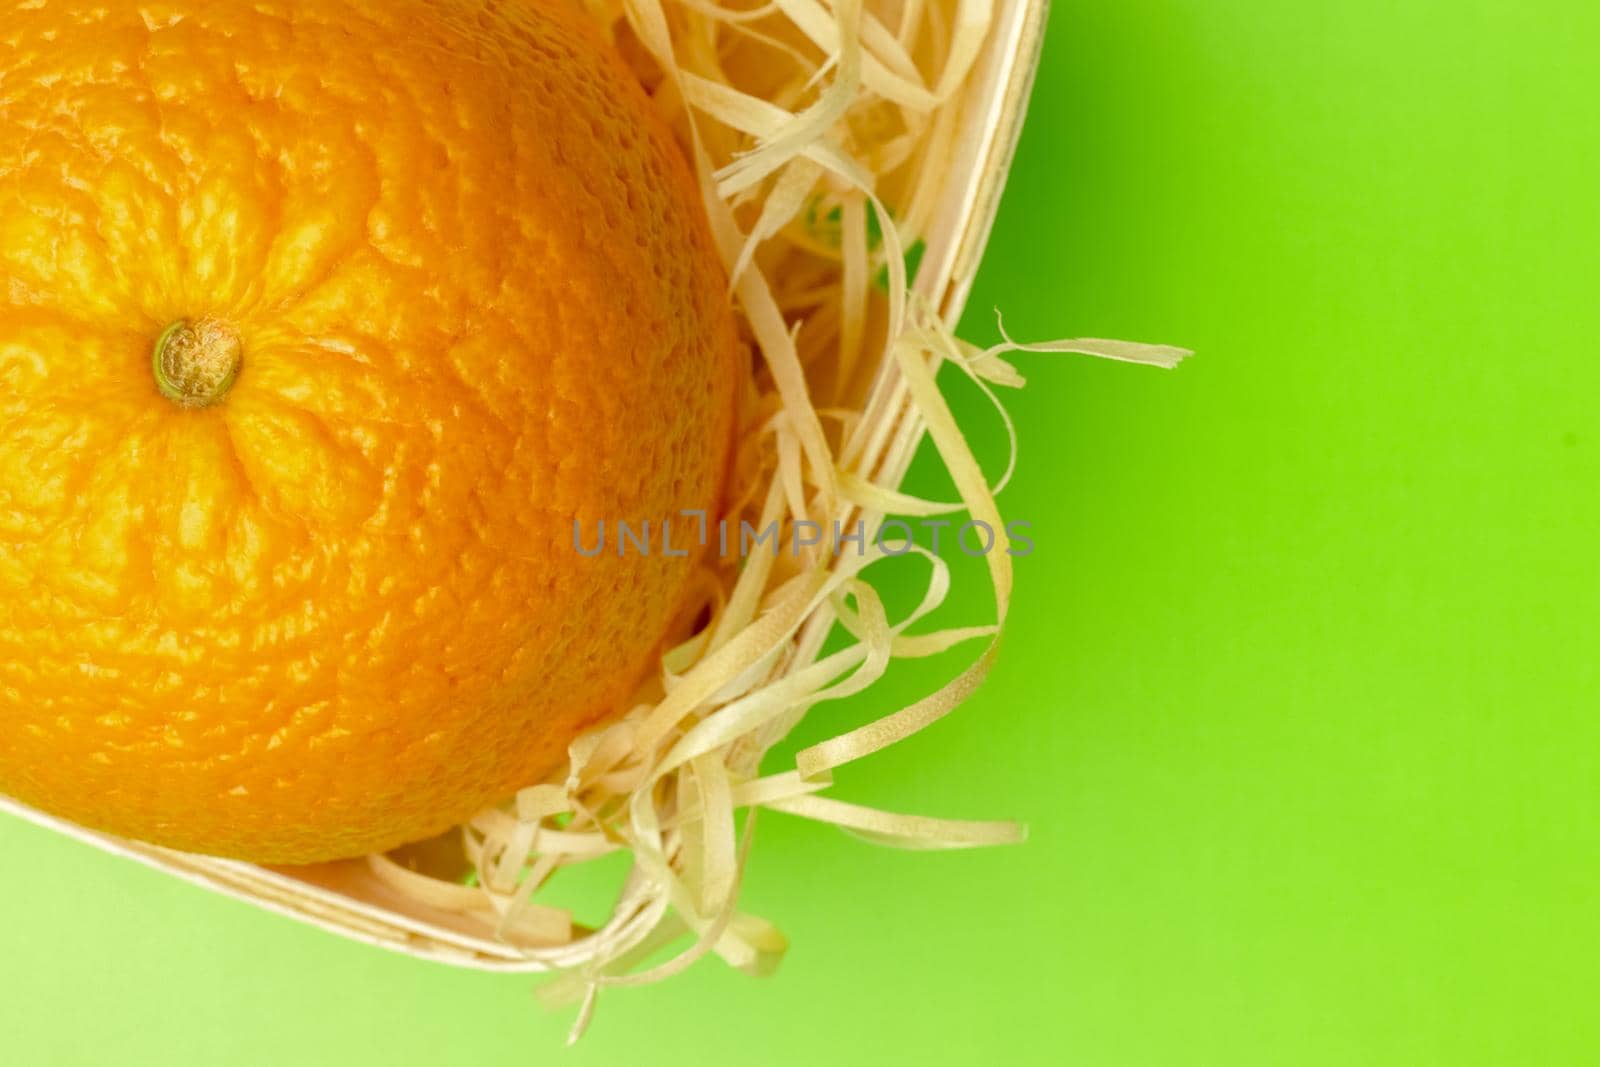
[{"x": 321, "y": 323}]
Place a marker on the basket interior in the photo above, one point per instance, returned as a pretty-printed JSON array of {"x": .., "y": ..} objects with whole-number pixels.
[{"x": 421, "y": 900}]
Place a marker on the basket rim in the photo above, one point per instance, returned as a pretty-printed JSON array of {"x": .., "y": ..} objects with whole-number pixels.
[{"x": 997, "y": 99}]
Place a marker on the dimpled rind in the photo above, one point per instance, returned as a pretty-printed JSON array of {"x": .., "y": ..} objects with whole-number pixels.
[{"x": 476, "y": 300}]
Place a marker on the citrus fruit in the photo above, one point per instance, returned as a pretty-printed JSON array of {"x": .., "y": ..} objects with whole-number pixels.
[{"x": 322, "y": 322}]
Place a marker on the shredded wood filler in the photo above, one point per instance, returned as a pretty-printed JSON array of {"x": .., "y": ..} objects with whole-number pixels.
[{"x": 818, "y": 131}]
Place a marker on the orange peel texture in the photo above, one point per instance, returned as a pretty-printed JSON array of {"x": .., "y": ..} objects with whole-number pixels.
[{"x": 436, "y": 283}]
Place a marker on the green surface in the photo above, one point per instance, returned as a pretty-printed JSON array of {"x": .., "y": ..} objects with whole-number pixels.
[{"x": 1300, "y": 693}]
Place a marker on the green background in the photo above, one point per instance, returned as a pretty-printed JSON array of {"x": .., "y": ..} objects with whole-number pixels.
[{"x": 1299, "y": 699}]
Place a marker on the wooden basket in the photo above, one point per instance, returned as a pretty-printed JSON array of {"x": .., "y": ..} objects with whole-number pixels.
[{"x": 348, "y": 898}]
